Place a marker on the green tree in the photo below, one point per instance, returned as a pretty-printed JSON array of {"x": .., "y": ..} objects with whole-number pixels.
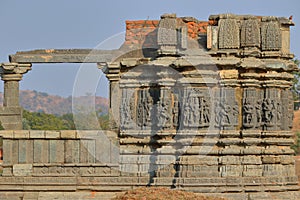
[
  {"x": 42, "y": 121},
  {"x": 296, "y": 82}
]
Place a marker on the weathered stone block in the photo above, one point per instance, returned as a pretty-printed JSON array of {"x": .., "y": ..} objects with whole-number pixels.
[
  {"x": 231, "y": 170},
  {"x": 272, "y": 170},
  {"x": 72, "y": 151},
  {"x": 68, "y": 134},
  {"x": 56, "y": 151},
  {"x": 25, "y": 151},
  {"x": 21, "y": 134},
  {"x": 41, "y": 151},
  {"x": 52, "y": 134},
  {"x": 230, "y": 160},
  {"x": 251, "y": 160},
  {"x": 252, "y": 170},
  {"x": 35, "y": 134},
  {"x": 22, "y": 169}
]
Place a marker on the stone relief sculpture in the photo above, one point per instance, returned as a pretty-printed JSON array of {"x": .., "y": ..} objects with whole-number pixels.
[
  {"x": 164, "y": 114},
  {"x": 144, "y": 109},
  {"x": 126, "y": 109},
  {"x": 271, "y": 35},
  {"x": 176, "y": 109},
  {"x": 196, "y": 111},
  {"x": 167, "y": 34},
  {"x": 226, "y": 109},
  {"x": 229, "y": 34},
  {"x": 250, "y": 33},
  {"x": 249, "y": 115}
]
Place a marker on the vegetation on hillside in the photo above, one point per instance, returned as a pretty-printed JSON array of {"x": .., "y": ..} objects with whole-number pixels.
[{"x": 34, "y": 101}]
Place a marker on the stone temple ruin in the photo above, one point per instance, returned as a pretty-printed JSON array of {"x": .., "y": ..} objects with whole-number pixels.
[{"x": 198, "y": 106}]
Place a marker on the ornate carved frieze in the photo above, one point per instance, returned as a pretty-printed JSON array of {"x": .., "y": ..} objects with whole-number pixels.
[
  {"x": 250, "y": 33},
  {"x": 229, "y": 34}
]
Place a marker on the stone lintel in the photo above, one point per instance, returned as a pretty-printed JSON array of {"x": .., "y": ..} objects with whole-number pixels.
[{"x": 65, "y": 56}]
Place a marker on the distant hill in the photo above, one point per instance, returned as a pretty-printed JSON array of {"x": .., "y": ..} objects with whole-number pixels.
[{"x": 52, "y": 104}]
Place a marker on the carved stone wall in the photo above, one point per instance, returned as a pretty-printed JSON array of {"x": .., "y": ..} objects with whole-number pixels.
[{"x": 204, "y": 111}]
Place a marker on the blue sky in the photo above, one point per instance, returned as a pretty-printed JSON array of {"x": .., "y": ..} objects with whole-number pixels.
[{"x": 57, "y": 24}]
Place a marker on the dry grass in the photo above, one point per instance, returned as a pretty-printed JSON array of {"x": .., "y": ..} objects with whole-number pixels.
[{"x": 159, "y": 193}]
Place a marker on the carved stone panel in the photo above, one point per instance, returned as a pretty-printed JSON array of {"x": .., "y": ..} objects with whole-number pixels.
[
  {"x": 167, "y": 34},
  {"x": 272, "y": 109},
  {"x": 144, "y": 109},
  {"x": 250, "y": 33},
  {"x": 226, "y": 109},
  {"x": 271, "y": 36},
  {"x": 229, "y": 34},
  {"x": 252, "y": 108},
  {"x": 164, "y": 109},
  {"x": 287, "y": 110},
  {"x": 196, "y": 108},
  {"x": 127, "y": 108}
]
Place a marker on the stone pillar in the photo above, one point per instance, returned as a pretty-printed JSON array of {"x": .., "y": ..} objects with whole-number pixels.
[{"x": 11, "y": 112}]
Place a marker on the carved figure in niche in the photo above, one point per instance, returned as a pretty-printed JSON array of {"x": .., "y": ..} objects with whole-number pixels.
[
  {"x": 195, "y": 109},
  {"x": 125, "y": 113},
  {"x": 225, "y": 111},
  {"x": 147, "y": 109},
  {"x": 175, "y": 113},
  {"x": 279, "y": 112},
  {"x": 204, "y": 111},
  {"x": 248, "y": 113},
  {"x": 144, "y": 108},
  {"x": 258, "y": 108},
  {"x": 187, "y": 114},
  {"x": 164, "y": 114},
  {"x": 268, "y": 109}
]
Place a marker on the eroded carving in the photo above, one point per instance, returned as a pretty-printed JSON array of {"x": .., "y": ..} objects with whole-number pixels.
[
  {"x": 196, "y": 111},
  {"x": 144, "y": 108},
  {"x": 229, "y": 34},
  {"x": 226, "y": 109},
  {"x": 271, "y": 36},
  {"x": 250, "y": 33},
  {"x": 126, "y": 109}
]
